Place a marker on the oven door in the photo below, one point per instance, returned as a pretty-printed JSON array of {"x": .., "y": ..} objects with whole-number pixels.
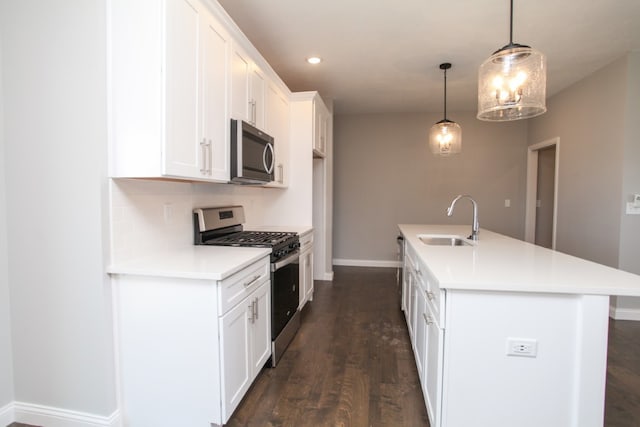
[{"x": 284, "y": 291}]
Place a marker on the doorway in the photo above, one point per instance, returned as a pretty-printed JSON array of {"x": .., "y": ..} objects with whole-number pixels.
[{"x": 543, "y": 162}]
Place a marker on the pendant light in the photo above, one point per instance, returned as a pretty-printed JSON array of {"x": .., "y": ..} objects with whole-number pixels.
[
  {"x": 445, "y": 137},
  {"x": 512, "y": 82}
]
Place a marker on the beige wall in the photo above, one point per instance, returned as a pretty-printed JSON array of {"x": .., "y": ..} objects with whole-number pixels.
[
  {"x": 384, "y": 174},
  {"x": 597, "y": 122}
]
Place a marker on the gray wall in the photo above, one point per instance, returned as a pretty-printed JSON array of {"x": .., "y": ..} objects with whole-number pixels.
[
  {"x": 597, "y": 122},
  {"x": 384, "y": 174},
  {"x": 630, "y": 225},
  {"x": 54, "y": 91},
  {"x": 6, "y": 376}
]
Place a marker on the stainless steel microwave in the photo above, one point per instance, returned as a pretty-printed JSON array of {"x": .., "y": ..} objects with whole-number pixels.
[{"x": 252, "y": 155}]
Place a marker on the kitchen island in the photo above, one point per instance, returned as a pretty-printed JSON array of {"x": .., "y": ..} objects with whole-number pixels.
[{"x": 505, "y": 332}]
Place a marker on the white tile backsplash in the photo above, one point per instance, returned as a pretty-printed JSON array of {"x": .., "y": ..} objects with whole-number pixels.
[{"x": 138, "y": 225}]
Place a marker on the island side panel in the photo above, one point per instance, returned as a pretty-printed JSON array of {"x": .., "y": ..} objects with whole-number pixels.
[{"x": 483, "y": 385}]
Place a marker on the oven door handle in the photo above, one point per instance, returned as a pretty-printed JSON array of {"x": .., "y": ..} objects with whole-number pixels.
[{"x": 294, "y": 256}]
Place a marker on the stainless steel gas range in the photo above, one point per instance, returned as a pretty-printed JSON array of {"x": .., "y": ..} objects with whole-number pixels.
[{"x": 223, "y": 226}]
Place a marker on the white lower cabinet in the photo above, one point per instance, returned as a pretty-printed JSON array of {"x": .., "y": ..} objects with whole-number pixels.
[
  {"x": 244, "y": 337},
  {"x": 306, "y": 269},
  {"x": 187, "y": 350},
  {"x": 420, "y": 293}
]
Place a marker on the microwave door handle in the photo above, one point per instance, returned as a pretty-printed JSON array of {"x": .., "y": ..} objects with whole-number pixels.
[{"x": 269, "y": 168}]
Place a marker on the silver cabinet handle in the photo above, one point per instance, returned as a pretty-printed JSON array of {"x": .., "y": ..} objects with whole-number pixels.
[
  {"x": 209, "y": 157},
  {"x": 203, "y": 153},
  {"x": 252, "y": 281},
  {"x": 428, "y": 319}
]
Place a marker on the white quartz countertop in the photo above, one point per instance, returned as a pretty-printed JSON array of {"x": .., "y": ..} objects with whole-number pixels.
[
  {"x": 501, "y": 263},
  {"x": 192, "y": 262}
]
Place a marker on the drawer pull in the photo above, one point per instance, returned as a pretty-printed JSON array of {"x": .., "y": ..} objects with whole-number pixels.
[{"x": 252, "y": 281}]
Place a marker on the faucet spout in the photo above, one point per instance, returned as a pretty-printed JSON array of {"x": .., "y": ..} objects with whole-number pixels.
[{"x": 475, "y": 227}]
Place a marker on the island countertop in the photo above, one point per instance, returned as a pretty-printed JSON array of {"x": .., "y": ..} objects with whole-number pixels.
[{"x": 500, "y": 263}]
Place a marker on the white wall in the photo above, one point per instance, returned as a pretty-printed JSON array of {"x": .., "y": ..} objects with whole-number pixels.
[
  {"x": 56, "y": 203},
  {"x": 384, "y": 174},
  {"x": 597, "y": 122},
  {"x": 6, "y": 368}
]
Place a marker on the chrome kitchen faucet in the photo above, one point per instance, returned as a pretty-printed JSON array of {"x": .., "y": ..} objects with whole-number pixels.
[{"x": 475, "y": 227}]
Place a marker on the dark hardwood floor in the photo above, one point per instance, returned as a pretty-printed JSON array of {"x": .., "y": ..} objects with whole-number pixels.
[{"x": 351, "y": 364}]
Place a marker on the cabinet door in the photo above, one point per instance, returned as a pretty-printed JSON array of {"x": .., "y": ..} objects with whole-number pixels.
[
  {"x": 181, "y": 144},
  {"x": 320, "y": 127},
  {"x": 309, "y": 276},
  {"x": 214, "y": 116},
  {"x": 422, "y": 321},
  {"x": 261, "y": 328},
  {"x": 433, "y": 368},
  {"x": 235, "y": 329},
  {"x": 257, "y": 98},
  {"x": 306, "y": 277},
  {"x": 240, "y": 69},
  {"x": 277, "y": 125}
]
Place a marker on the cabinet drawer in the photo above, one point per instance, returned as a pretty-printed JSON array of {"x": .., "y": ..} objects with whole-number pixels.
[
  {"x": 433, "y": 293},
  {"x": 235, "y": 288},
  {"x": 306, "y": 241}
]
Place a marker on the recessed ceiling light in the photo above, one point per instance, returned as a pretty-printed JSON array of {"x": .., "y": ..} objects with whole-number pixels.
[{"x": 314, "y": 60}]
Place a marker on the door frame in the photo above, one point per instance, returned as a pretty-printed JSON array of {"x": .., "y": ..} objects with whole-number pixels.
[{"x": 532, "y": 189}]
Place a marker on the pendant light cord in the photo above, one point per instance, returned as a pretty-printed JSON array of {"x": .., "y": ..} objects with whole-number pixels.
[
  {"x": 445, "y": 94},
  {"x": 511, "y": 25}
]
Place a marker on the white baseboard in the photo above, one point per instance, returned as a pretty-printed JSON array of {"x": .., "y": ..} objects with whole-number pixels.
[
  {"x": 327, "y": 275},
  {"x": 624, "y": 313},
  {"x": 365, "y": 263},
  {"x": 41, "y": 415},
  {"x": 7, "y": 415}
]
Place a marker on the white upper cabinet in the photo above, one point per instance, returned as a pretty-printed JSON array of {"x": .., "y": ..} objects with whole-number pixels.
[
  {"x": 276, "y": 117},
  {"x": 321, "y": 117},
  {"x": 248, "y": 86},
  {"x": 178, "y": 71},
  {"x": 215, "y": 117},
  {"x": 168, "y": 100},
  {"x": 257, "y": 100},
  {"x": 240, "y": 74}
]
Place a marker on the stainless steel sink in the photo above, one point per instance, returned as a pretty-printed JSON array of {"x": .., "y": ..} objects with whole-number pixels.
[{"x": 444, "y": 240}]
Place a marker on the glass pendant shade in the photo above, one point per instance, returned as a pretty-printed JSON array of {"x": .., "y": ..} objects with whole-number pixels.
[
  {"x": 445, "y": 138},
  {"x": 512, "y": 84}
]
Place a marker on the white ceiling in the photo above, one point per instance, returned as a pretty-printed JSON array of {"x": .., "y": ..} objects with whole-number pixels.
[{"x": 384, "y": 55}]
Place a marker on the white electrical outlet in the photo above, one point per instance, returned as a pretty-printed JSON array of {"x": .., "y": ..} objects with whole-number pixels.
[
  {"x": 507, "y": 203},
  {"x": 524, "y": 347},
  {"x": 168, "y": 213}
]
